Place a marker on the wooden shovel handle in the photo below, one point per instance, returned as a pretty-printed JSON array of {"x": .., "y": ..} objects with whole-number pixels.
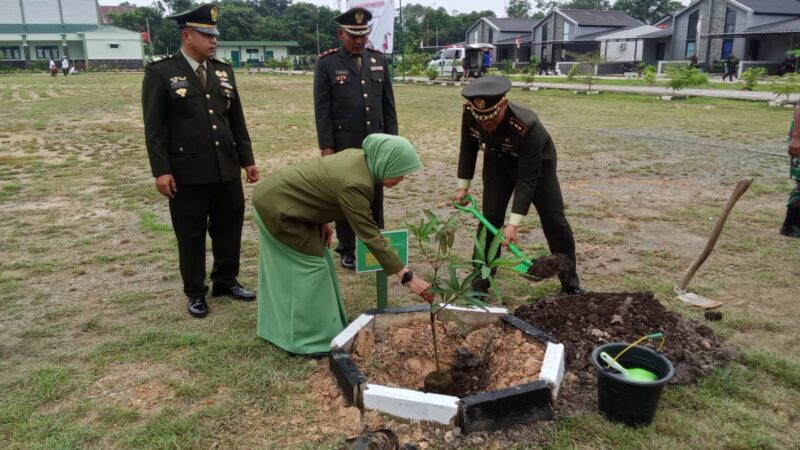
[{"x": 741, "y": 187}]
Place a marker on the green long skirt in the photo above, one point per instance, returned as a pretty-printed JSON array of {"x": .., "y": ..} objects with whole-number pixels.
[{"x": 300, "y": 305}]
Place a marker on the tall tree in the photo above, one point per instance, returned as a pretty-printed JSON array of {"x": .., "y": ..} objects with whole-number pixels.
[
  {"x": 518, "y": 8},
  {"x": 176, "y": 6},
  {"x": 237, "y": 22},
  {"x": 586, "y": 4},
  {"x": 648, "y": 11}
]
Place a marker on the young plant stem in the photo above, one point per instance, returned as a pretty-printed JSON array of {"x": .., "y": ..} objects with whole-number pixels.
[{"x": 435, "y": 347}]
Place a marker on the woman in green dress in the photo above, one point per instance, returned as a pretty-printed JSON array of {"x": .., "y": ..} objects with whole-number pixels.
[{"x": 300, "y": 305}]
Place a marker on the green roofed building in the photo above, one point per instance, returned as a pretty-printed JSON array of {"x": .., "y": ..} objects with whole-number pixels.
[
  {"x": 255, "y": 53},
  {"x": 34, "y": 31}
]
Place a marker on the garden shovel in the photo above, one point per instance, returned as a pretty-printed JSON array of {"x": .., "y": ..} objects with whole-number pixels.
[
  {"x": 696, "y": 299},
  {"x": 472, "y": 208}
]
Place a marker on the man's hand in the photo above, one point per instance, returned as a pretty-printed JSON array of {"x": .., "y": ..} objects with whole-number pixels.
[
  {"x": 166, "y": 185},
  {"x": 461, "y": 193},
  {"x": 252, "y": 173},
  {"x": 418, "y": 286},
  {"x": 326, "y": 232},
  {"x": 327, "y": 151},
  {"x": 510, "y": 234}
]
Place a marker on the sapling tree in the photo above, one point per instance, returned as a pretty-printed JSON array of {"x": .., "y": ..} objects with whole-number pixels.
[
  {"x": 435, "y": 239},
  {"x": 785, "y": 85},
  {"x": 683, "y": 76},
  {"x": 751, "y": 77}
]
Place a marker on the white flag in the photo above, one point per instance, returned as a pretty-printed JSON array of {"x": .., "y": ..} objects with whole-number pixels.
[{"x": 381, "y": 27}]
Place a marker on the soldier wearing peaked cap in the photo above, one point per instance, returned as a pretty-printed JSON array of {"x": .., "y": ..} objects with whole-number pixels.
[
  {"x": 520, "y": 160},
  {"x": 198, "y": 143},
  {"x": 353, "y": 98}
]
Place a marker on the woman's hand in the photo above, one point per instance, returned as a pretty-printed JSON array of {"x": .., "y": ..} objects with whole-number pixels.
[{"x": 326, "y": 233}]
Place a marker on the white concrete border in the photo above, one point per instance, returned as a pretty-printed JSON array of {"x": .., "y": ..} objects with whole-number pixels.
[
  {"x": 346, "y": 338},
  {"x": 552, "y": 370},
  {"x": 410, "y": 404}
]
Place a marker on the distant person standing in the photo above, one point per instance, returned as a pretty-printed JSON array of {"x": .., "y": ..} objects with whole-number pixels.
[
  {"x": 544, "y": 66},
  {"x": 731, "y": 66},
  {"x": 65, "y": 65},
  {"x": 693, "y": 62},
  {"x": 198, "y": 143},
  {"x": 353, "y": 98},
  {"x": 53, "y": 68},
  {"x": 487, "y": 61},
  {"x": 791, "y": 225}
]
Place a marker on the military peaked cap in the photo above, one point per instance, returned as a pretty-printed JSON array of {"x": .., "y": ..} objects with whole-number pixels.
[
  {"x": 355, "y": 21},
  {"x": 203, "y": 19},
  {"x": 486, "y": 95}
]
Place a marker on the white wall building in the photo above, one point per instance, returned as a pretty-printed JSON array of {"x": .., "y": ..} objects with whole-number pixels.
[{"x": 33, "y": 31}]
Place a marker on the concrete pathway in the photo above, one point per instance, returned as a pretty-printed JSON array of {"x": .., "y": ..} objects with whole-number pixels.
[{"x": 734, "y": 94}]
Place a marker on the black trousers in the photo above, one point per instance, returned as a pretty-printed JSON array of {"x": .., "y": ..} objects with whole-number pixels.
[
  {"x": 345, "y": 234},
  {"x": 499, "y": 180},
  {"x": 216, "y": 209}
]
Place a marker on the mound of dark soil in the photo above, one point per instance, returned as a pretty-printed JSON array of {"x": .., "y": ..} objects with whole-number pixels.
[
  {"x": 549, "y": 266},
  {"x": 583, "y": 322}
]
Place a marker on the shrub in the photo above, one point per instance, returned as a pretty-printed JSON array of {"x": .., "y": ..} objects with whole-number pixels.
[
  {"x": 507, "y": 67},
  {"x": 432, "y": 73},
  {"x": 683, "y": 76},
  {"x": 573, "y": 71},
  {"x": 785, "y": 85},
  {"x": 751, "y": 77},
  {"x": 649, "y": 74}
]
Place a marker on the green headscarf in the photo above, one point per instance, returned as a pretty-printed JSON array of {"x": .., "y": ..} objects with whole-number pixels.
[{"x": 389, "y": 156}]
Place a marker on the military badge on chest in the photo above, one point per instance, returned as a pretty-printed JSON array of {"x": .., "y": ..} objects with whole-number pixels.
[
  {"x": 179, "y": 85},
  {"x": 507, "y": 148},
  {"x": 341, "y": 76}
]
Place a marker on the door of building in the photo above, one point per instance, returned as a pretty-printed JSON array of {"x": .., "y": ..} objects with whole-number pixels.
[{"x": 235, "y": 58}]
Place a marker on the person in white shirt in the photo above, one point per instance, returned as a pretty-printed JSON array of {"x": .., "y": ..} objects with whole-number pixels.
[{"x": 65, "y": 65}]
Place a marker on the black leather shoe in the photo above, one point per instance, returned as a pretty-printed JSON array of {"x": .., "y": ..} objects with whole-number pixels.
[
  {"x": 197, "y": 307},
  {"x": 791, "y": 231},
  {"x": 349, "y": 262},
  {"x": 577, "y": 290},
  {"x": 235, "y": 291}
]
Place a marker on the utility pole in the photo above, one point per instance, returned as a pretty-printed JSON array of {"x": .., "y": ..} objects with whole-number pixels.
[
  {"x": 149, "y": 37},
  {"x": 402, "y": 45},
  {"x": 317, "y": 38}
]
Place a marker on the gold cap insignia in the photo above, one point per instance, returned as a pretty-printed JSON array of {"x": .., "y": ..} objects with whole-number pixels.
[
  {"x": 214, "y": 14},
  {"x": 373, "y": 60},
  {"x": 480, "y": 103},
  {"x": 359, "y": 17},
  {"x": 181, "y": 92}
]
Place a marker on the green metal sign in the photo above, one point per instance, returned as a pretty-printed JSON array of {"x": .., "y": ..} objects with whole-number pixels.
[{"x": 367, "y": 262}]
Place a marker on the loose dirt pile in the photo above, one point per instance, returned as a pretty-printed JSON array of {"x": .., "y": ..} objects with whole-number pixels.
[
  {"x": 485, "y": 359},
  {"x": 549, "y": 266},
  {"x": 583, "y": 322}
]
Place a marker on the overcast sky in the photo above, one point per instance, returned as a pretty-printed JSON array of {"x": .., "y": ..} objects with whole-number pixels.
[{"x": 462, "y": 6}]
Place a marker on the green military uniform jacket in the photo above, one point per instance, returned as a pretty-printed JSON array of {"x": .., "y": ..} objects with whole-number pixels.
[
  {"x": 198, "y": 135},
  {"x": 350, "y": 104},
  {"x": 295, "y": 200},
  {"x": 520, "y": 139}
]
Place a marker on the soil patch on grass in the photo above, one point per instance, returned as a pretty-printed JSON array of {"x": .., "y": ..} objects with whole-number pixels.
[
  {"x": 485, "y": 359},
  {"x": 584, "y": 322}
]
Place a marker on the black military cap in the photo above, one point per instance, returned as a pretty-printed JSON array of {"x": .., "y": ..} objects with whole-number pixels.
[
  {"x": 203, "y": 19},
  {"x": 355, "y": 21},
  {"x": 486, "y": 95}
]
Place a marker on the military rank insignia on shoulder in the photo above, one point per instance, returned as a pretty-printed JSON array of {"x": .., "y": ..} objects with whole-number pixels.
[
  {"x": 162, "y": 59},
  {"x": 518, "y": 125},
  {"x": 330, "y": 51}
]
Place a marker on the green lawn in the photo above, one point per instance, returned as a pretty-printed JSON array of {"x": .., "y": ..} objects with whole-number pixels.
[{"x": 97, "y": 351}]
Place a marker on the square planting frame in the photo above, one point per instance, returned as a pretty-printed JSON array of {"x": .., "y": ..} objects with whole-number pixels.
[{"x": 490, "y": 410}]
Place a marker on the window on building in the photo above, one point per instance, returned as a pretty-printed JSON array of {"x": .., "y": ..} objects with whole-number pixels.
[
  {"x": 46, "y": 52},
  {"x": 491, "y": 36},
  {"x": 475, "y": 37},
  {"x": 10, "y": 53},
  {"x": 113, "y": 45},
  {"x": 730, "y": 20},
  {"x": 691, "y": 28},
  {"x": 565, "y": 35},
  {"x": 689, "y": 49},
  {"x": 268, "y": 54},
  {"x": 544, "y": 32}
]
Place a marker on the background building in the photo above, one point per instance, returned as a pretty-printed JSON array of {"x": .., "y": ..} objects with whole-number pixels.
[
  {"x": 255, "y": 53},
  {"x": 34, "y": 31}
]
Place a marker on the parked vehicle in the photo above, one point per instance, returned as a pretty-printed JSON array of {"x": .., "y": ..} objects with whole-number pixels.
[{"x": 449, "y": 61}]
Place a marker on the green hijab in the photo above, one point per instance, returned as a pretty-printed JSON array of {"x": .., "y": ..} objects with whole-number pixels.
[{"x": 389, "y": 156}]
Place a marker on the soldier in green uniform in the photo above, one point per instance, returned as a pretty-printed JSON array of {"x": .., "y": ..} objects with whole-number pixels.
[
  {"x": 519, "y": 159},
  {"x": 353, "y": 98},
  {"x": 197, "y": 142}
]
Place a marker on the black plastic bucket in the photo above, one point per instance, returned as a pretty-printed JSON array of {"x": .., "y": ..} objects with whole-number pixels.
[{"x": 633, "y": 403}]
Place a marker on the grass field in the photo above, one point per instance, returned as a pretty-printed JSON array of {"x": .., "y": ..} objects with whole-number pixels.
[{"x": 97, "y": 350}]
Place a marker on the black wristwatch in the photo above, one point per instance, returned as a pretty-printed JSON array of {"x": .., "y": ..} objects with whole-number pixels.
[{"x": 407, "y": 278}]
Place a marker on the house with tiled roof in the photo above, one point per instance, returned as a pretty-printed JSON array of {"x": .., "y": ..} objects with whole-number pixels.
[{"x": 510, "y": 36}]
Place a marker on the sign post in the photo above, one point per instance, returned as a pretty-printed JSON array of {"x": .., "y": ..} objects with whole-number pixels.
[{"x": 366, "y": 262}]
